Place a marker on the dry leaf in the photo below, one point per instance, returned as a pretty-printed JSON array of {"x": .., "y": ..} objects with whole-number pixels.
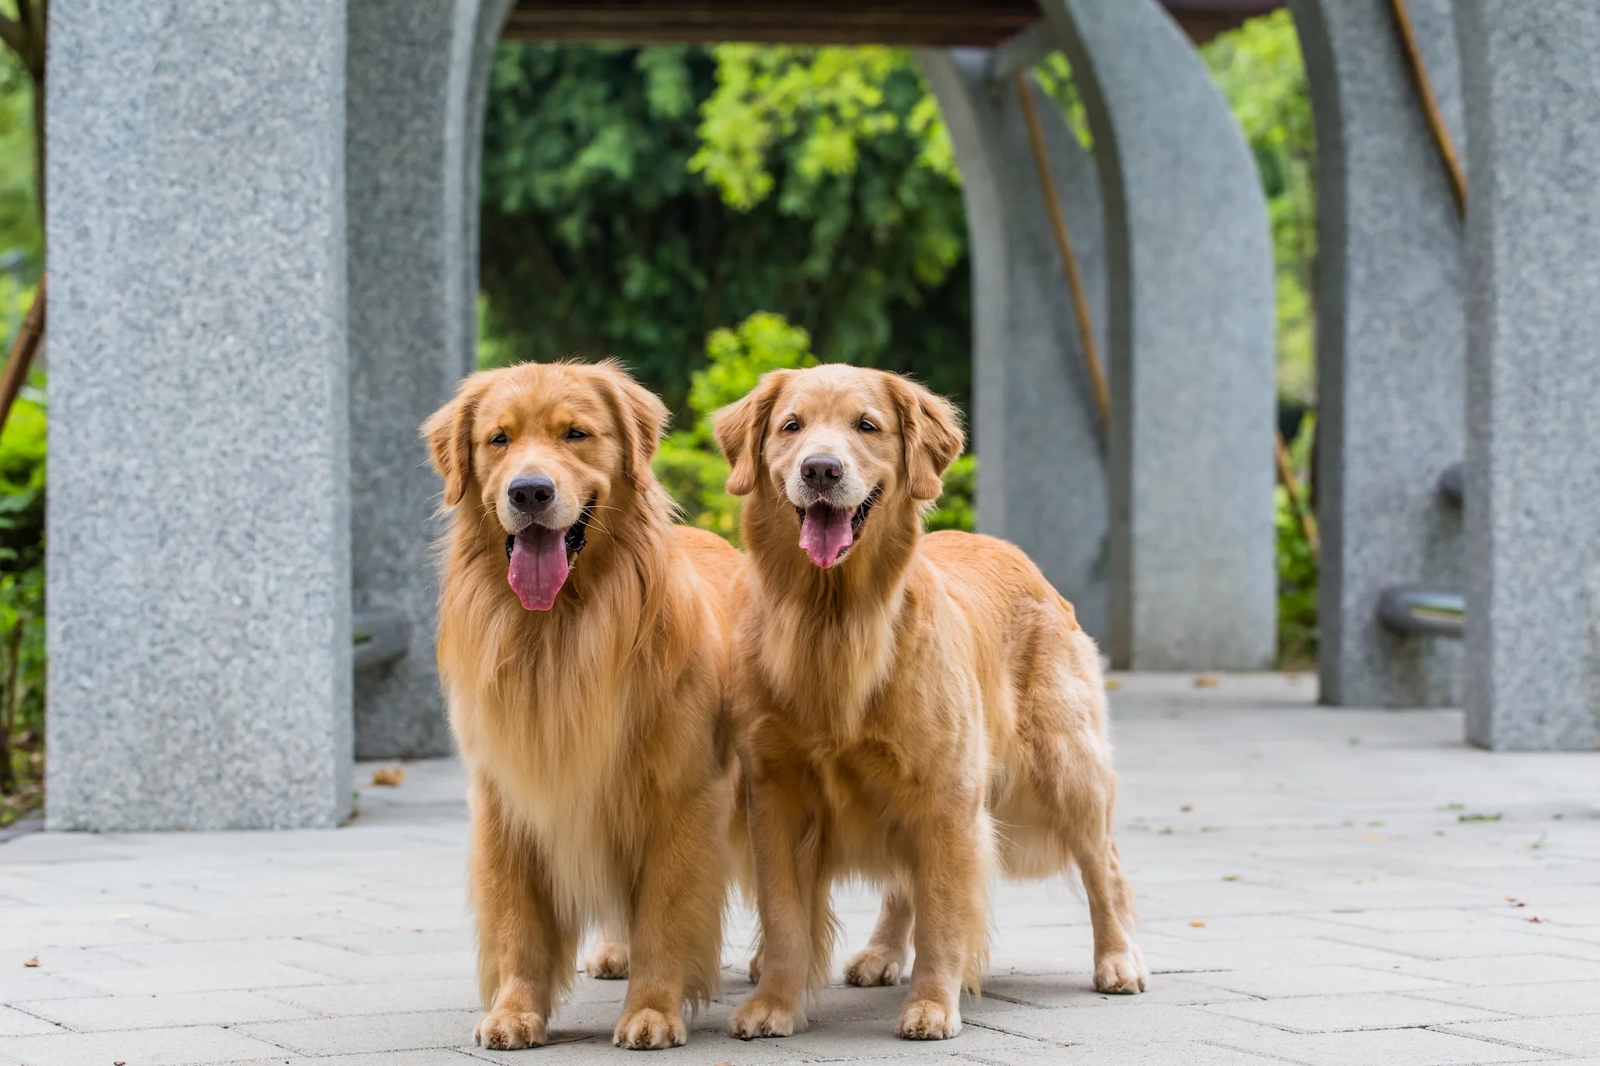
[
  {"x": 1198, "y": 924},
  {"x": 1187, "y": 807},
  {"x": 1231, "y": 877},
  {"x": 389, "y": 776},
  {"x": 1205, "y": 681},
  {"x": 1536, "y": 920},
  {"x": 1112, "y": 684},
  {"x": 32, "y": 962},
  {"x": 122, "y": 917}
]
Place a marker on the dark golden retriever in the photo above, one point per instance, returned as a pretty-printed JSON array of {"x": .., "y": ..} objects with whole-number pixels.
[
  {"x": 919, "y": 710},
  {"x": 583, "y": 649}
]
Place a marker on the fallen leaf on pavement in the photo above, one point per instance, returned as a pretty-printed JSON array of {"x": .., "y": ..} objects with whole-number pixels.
[
  {"x": 390, "y": 776},
  {"x": 32, "y": 962},
  {"x": 1205, "y": 681},
  {"x": 1198, "y": 924}
]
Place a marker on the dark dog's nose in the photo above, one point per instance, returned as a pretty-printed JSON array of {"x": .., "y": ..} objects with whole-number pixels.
[
  {"x": 822, "y": 471},
  {"x": 531, "y": 493}
]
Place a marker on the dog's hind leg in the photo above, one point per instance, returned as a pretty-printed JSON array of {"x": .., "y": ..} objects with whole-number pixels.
[
  {"x": 608, "y": 959},
  {"x": 883, "y": 960}
]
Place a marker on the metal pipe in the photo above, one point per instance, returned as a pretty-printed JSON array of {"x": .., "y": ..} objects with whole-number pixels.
[{"x": 1407, "y": 609}]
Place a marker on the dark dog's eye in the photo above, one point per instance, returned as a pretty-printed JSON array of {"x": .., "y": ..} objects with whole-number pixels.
[
  {"x": 499, "y": 440},
  {"x": 791, "y": 426},
  {"x": 575, "y": 434},
  {"x": 866, "y": 425}
]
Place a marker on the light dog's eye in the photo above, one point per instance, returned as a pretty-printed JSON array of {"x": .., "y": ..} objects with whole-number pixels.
[
  {"x": 792, "y": 426},
  {"x": 499, "y": 440},
  {"x": 866, "y": 425},
  {"x": 575, "y": 434}
]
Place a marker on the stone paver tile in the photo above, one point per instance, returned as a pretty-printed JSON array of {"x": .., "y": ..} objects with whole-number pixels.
[
  {"x": 1281, "y": 981},
  {"x": 1577, "y": 1034},
  {"x": 289, "y": 951},
  {"x": 29, "y": 983},
  {"x": 143, "y": 1047},
  {"x": 389, "y": 997},
  {"x": 422, "y": 965},
  {"x": 66, "y": 961},
  {"x": 1506, "y": 970},
  {"x": 136, "y": 1011},
  {"x": 403, "y": 942},
  {"x": 1172, "y": 956},
  {"x": 15, "y": 1022},
  {"x": 1077, "y": 990},
  {"x": 1173, "y": 1054},
  {"x": 1467, "y": 943},
  {"x": 1120, "y": 1022},
  {"x": 430, "y": 1057},
  {"x": 1389, "y": 1047},
  {"x": 204, "y": 977},
  {"x": 370, "y": 1032},
  {"x": 1361, "y": 1010},
  {"x": 1528, "y": 1001},
  {"x": 1415, "y": 919}
]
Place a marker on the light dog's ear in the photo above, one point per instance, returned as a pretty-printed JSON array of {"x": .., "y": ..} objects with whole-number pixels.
[
  {"x": 643, "y": 418},
  {"x": 448, "y": 432},
  {"x": 741, "y": 429},
  {"x": 930, "y": 434}
]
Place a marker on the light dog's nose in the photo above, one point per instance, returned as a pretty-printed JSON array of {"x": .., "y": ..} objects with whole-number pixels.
[
  {"x": 531, "y": 493},
  {"x": 822, "y": 471}
]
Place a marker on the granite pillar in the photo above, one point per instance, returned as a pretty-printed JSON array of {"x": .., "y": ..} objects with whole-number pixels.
[
  {"x": 1041, "y": 467},
  {"x": 1391, "y": 346},
  {"x": 1190, "y": 325},
  {"x": 199, "y": 551},
  {"x": 416, "y": 79},
  {"x": 1532, "y": 100}
]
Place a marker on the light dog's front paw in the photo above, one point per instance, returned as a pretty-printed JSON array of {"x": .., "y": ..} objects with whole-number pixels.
[
  {"x": 508, "y": 1030},
  {"x": 1123, "y": 973},
  {"x": 875, "y": 965},
  {"x": 608, "y": 961},
  {"x": 923, "y": 1019},
  {"x": 760, "y": 1016},
  {"x": 650, "y": 1030}
]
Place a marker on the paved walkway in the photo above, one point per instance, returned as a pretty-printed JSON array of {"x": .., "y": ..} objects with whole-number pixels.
[{"x": 1317, "y": 887}]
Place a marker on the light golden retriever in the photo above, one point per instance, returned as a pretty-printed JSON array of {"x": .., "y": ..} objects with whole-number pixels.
[
  {"x": 919, "y": 710},
  {"x": 583, "y": 651}
]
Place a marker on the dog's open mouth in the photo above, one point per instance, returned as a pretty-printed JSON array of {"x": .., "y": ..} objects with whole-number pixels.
[
  {"x": 541, "y": 557},
  {"x": 827, "y": 533}
]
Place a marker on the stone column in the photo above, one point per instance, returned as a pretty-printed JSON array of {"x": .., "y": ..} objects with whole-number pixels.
[
  {"x": 1041, "y": 468},
  {"x": 1189, "y": 269},
  {"x": 199, "y": 555},
  {"x": 1532, "y": 92},
  {"x": 416, "y": 78},
  {"x": 1391, "y": 345}
]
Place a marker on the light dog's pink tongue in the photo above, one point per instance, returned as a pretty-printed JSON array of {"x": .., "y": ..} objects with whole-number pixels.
[
  {"x": 825, "y": 533},
  {"x": 538, "y": 566}
]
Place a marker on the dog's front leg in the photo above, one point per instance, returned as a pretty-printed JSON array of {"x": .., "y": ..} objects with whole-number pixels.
[
  {"x": 954, "y": 847},
  {"x": 524, "y": 949},
  {"x": 675, "y": 943},
  {"x": 791, "y": 897}
]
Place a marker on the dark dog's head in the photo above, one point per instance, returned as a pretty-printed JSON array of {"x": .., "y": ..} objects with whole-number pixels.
[
  {"x": 541, "y": 446},
  {"x": 832, "y": 443}
]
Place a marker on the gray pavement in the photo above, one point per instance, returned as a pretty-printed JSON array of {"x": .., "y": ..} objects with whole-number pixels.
[{"x": 1317, "y": 887}]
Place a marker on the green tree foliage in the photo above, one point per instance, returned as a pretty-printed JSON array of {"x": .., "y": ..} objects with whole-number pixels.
[
  {"x": 1260, "y": 70},
  {"x": 690, "y": 464},
  {"x": 818, "y": 190}
]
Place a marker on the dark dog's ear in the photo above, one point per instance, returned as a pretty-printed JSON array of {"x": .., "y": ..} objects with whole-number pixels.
[
  {"x": 448, "y": 432},
  {"x": 742, "y": 427},
  {"x": 643, "y": 418},
  {"x": 930, "y": 434}
]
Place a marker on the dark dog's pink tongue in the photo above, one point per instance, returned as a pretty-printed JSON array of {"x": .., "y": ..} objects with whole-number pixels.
[
  {"x": 825, "y": 533},
  {"x": 538, "y": 566}
]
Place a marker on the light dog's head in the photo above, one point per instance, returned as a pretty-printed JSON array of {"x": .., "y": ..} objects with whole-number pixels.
[
  {"x": 832, "y": 443},
  {"x": 542, "y": 447}
]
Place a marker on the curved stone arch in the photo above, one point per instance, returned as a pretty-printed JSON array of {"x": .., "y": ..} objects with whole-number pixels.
[
  {"x": 1191, "y": 354},
  {"x": 1391, "y": 345},
  {"x": 1031, "y": 393}
]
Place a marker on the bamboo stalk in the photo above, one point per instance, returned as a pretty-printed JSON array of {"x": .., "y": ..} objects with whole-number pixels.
[
  {"x": 1069, "y": 259},
  {"x": 23, "y": 348},
  {"x": 1291, "y": 485},
  {"x": 1430, "y": 104}
]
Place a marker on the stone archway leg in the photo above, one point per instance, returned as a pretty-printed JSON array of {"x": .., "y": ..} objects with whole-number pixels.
[
  {"x": 1190, "y": 282},
  {"x": 1041, "y": 472},
  {"x": 1391, "y": 346},
  {"x": 1532, "y": 100}
]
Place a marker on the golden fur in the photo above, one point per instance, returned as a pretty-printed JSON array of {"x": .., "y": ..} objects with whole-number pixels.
[
  {"x": 601, "y": 774},
  {"x": 924, "y": 712}
]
